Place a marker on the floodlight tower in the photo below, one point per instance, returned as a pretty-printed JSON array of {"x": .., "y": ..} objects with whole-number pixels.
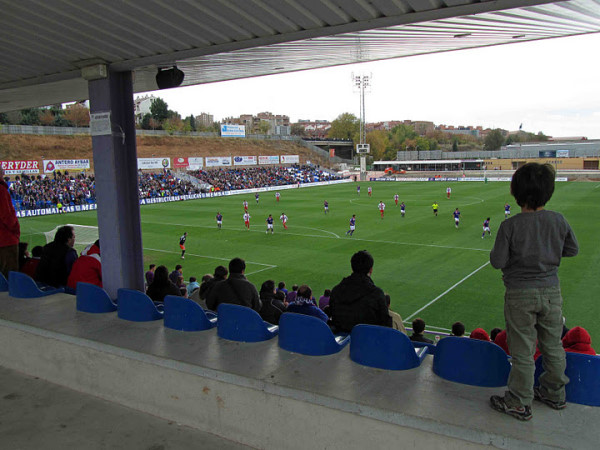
[{"x": 362, "y": 83}]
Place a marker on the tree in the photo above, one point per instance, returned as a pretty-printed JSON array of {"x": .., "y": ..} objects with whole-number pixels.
[
  {"x": 173, "y": 124},
  {"x": 493, "y": 140},
  {"x": 264, "y": 127},
  {"x": 159, "y": 110},
  {"x": 345, "y": 126},
  {"x": 191, "y": 122},
  {"x": 454, "y": 145},
  {"x": 297, "y": 129},
  {"x": 379, "y": 142},
  {"x": 3, "y": 118},
  {"x": 78, "y": 115},
  {"x": 30, "y": 116},
  {"x": 47, "y": 118},
  {"x": 145, "y": 124}
]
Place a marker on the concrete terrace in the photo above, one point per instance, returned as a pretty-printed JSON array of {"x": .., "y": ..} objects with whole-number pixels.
[{"x": 253, "y": 394}]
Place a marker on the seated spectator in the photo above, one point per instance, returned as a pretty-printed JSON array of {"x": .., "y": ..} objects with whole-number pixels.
[
  {"x": 578, "y": 340},
  {"x": 291, "y": 295},
  {"x": 57, "y": 258},
  {"x": 174, "y": 276},
  {"x": 149, "y": 275},
  {"x": 31, "y": 264},
  {"x": 480, "y": 334},
  {"x": 192, "y": 285},
  {"x": 87, "y": 268},
  {"x": 206, "y": 286},
  {"x": 324, "y": 299},
  {"x": 161, "y": 286},
  {"x": 236, "y": 289},
  {"x": 418, "y": 326},
  {"x": 181, "y": 285},
  {"x": 396, "y": 318},
  {"x": 304, "y": 304},
  {"x": 494, "y": 333},
  {"x": 281, "y": 287},
  {"x": 356, "y": 299},
  {"x": 501, "y": 341},
  {"x": 272, "y": 306},
  {"x": 458, "y": 329}
]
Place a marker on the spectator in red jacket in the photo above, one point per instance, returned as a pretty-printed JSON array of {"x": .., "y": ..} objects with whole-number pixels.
[
  {"x": 10, "y": 231},
  {"x": 31, "y": 264},
  {"x": 480, "y": 334},
  {"x": 87, "y": 268},
  {"x": 578, "y": 340}
]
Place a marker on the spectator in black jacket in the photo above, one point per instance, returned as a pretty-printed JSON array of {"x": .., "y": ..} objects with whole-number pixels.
[
  {"x": 236, "y": 289},
  {"x": 206, "y": 286},
  {"x": 57, "y": 258},
  {"x": 418, "y": 326},
  {"x": 356, "y": 299},
  {"x": 162, "y": 286},
  {"x": 272, "y": 306}
]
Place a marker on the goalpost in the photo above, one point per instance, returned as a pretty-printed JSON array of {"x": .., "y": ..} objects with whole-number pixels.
[{"x": 84, "y": 234}]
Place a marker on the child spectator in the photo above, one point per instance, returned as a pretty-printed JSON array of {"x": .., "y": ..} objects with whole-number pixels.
[
  {"x": 304, "y": 304},
  {"x": 324, "y": 299},
  {"x": 480, "y": 334},
  {"x": 418, "y": 326},
  {"x": 528, "y": 249},
  {"x": 494, "y": 333},
  {"x": 192, "y": 285},
  {"x": 32, "y": 263},
  {"x": 578, "y": 340},
  {"x": 458, "y": 329}
]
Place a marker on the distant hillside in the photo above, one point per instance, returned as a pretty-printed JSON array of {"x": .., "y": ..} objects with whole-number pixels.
[{"x": 23, "y": 147}]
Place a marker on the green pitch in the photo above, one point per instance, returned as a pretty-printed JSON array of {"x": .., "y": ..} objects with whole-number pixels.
[{"x": 431, "y": 269}]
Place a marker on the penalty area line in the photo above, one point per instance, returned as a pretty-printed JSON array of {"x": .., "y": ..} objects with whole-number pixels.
[
  {"x": 445, "y": 292},
  {"x": 267, "y": 266}
]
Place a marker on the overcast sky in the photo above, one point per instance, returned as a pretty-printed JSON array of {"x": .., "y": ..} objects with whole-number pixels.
[{"x": 551, "y": 86}]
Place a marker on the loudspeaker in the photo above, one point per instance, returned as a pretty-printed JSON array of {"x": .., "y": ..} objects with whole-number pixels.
[{"x": 169, "y": 78}]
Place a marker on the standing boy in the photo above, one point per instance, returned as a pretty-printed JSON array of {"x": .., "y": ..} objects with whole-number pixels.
[
  {"x": 528, "y": 249},
  {"x": 486, "y": 227}
]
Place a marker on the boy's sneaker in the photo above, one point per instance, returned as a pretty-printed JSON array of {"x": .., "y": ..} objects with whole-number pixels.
[
  {"x": 520, "y": 412},
  {"x": 538, "y": 395}
]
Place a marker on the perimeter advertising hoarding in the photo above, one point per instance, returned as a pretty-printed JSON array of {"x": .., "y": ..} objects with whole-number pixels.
[
  {"x": 153, "y": 163},
  {"x": 19, "y": 167},
  {"x": 269, "y": 159},
  {"x": 188, "y": 163},
  {"x": 244, "y": 160},
  {"x": 233, "y": 130},
  {"x": 562, "y": 153},
  {"x": 50, "y": 165},
  {"x": 290, "y": 159},
  {"x": 217, "y": 161}
]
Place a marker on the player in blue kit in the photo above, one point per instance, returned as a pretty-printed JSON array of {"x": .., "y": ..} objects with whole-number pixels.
[
  {"x": 506, "y": 210},
  {"x": 402, "y": 209},
  {"x": 326, "y": 206},
  {"x": 269, "y": 224},
  {"x": 219, "y": 220},
  {"x": 256, "y": 197},
  {"x": 352, "y": 225},
  {"x": 486, "y": 227},
  {"x": 358, "y": 189},
  {"x": 456, "y": 215}
]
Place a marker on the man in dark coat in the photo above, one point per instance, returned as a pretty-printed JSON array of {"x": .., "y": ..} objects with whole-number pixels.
[
  {"x": 356, "y": 299},
  {"x": 236, "y": 289},
  {"x": 57, "y": 258}
]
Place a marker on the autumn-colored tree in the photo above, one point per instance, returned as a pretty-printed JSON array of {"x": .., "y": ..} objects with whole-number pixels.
[
  {"x": 298, "y": 129},
  {"x": 47, "y": 118},
  {"x": 345, "y": 126},
  {"x": 379, "y": 142},
  {"x": 173, "y": 124},
  {"x": 78, "y": 115}
]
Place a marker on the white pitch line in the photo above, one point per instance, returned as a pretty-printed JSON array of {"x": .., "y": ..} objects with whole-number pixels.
[
  {"x": 268, "y": 266},
  {"x": 318, "y": 229},
  {"x": 446, "y": 291},
  {"x": 354, "y": 238}
]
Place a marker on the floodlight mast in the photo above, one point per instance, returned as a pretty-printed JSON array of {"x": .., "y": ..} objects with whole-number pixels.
[{"x": 362, "y": 82}]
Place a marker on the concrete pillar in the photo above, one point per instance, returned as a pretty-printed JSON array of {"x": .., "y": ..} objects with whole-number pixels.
[{"x": 115, "y": 167}]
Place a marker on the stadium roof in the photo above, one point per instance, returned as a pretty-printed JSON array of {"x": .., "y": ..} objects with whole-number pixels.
[{"x": 46, "y": 43}]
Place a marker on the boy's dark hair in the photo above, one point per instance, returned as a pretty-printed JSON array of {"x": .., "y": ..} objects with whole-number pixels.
[
  {"x": 327, "y": 293},
  {"x": 178, "y": 266},
  {"x": 37, "y": 251},
  {"x": 192, "y": 279},
  {"x": 361, "y": 262},
  {"x": 152, "y": 265},
  {"x": 221, "y": 271},
  {"x": 388, "y": 299},
  {"x": 494, "y": 333},
  {"x": 458, "y": 329},
  {"x": 532, "y": 185},
  {"x": 295, "y": 287},
  {"x": 207, "y": 277},
  {"x": 281, "y": 285},
  {"x": 237, "y": 265},
  {"x": 418, "y": 325},
  {"x": 63, "y": 234},
  {"x": 268, "y": 286}
]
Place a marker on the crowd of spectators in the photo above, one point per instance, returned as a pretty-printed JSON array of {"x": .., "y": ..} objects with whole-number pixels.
[
  {"x": 64, "y": 189},
  {"x": 222, "y": 179}
]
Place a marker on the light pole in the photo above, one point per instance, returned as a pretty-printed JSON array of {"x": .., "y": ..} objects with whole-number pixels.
[{"x": 362, "y": 83}]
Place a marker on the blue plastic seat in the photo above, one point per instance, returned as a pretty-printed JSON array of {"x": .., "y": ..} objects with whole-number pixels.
[
  {"x": 21, "y": 285},
  {"x": 308, "y": 335},
  {"x": 584, "y": 375},
  {"x": 240, "y": 323},
  {"x": 384, "y": 348},
  {"x": 3, "y": 283},
  {"x": 93, "y": 299},
  {"x": 183, "y": 314},
  {"x": 136, "y": 306},
  {"x": 471, "y": 361}
]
